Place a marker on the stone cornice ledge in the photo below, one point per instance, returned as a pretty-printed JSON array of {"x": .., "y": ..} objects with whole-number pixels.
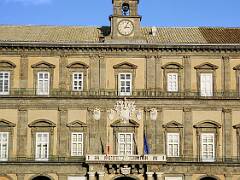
[{"x": 121, "y": 45}]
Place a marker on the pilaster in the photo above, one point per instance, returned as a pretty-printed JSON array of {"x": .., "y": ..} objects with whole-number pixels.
[
  {"x": 227, "y": 132},
  {"x": 150, "y": 73},
  {"x": 150, "y": 175},
  {"x": 92, "y": 176},
  {"x": 23, "y": 72},
  {"x": 102, "y": 73},
  {"x": 188, "y": 132},
  {"x": 226, "y": 74},
  {"x": 63, "y": 132},
  {"x": 22, "y": 127},
  {"x": 159, "y": 74},
  {"x": 159, "y": 139},
  {"x": 187, "y": 73},
  {"x": 101, "y": 175},
  {"x": 94, "y": 73},
  {"x": 63, "y": 77},
  {"x": 228, "y": 177},
  {"x": 160, "y": 175},
  {"x": 62, "y": 177},
  {"x": 20, "y": 176},
  {"x": 188, "y": 177}
]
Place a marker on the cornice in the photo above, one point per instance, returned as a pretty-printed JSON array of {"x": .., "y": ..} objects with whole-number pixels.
[{"x": 19, "y": 46}]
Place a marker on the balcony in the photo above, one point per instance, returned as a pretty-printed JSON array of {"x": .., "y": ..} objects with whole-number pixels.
[
  {"x": 115, "y": 94},
  {"x": 120, "y": 158}
]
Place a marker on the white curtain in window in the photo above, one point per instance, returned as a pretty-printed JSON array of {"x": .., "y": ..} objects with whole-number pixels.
[
  {"x": 3, "y": 146},
  {"x": 206, "y": 84},
  {"x": 4, "y": 83},
  {"x": 172, "y": 82}
]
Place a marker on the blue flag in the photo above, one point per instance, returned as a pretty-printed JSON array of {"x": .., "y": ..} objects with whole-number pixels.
[{"x": 146, "y": 147}]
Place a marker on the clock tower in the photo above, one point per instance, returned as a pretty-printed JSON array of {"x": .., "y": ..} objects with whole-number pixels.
[{"x": 125, "y": 21}]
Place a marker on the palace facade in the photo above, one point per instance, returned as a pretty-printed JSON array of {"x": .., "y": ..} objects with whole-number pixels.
[{"x": 119, "y": 102}]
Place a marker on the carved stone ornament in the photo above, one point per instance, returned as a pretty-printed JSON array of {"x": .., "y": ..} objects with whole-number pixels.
[
  {"x": 125, "y": 170},
  {"x": 125, "y": 109},
  {"x": 97, "y": 114},
  {"x": 111, "y": 114},
  {"x": 139, "y": 115},
  {"x": 153, "y": 114}
]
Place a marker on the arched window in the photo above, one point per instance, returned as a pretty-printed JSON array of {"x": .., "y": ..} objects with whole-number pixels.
[{"x": 41, "y": 178}]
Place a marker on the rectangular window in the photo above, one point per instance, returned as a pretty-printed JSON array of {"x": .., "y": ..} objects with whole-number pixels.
[
  {"x": 42, "y": 146},
  {"x": 77, "y": 81},
  {"x": 207, "y": 147},
  {"x": 43, "y": 83},
  {"x": 77, "y": 144},
  {"x": 125, "y": 84},
  {"x": 206, "y": 84},
  {"x": 173, "y": 144},
  {"x": 125, "y": 144},
  {"x": 172, "y": 82},
  {"x": 3, "y": 146},
  {"x": 4, "y": 83}
]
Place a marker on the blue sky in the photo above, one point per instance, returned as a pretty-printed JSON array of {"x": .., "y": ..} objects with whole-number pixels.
[{"x": 95, "y": 12}]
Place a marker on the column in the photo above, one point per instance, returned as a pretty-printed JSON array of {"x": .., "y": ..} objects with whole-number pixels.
[
  {"x": 94, "y": 73},
  {"x": 23, "y": 71},
  {"x": 187, "y": 73},
  {"x": 227, "y": 132},
  {"x": 91, "y": 175},
  {"x": 101, "y": 175},
  {"x": 150, "y": 72},
  {"x": 20, "y": 176},
  {"x": 63, "y": 134},
  {"x": 150, "y": 175},
  {"x": 22, "y": 127},
  {"x": 188, "y": 177},
  {"x": 159, "y": 75},
  {"x": 188, "y": 132},
  {"x": 160, "y": 176},
  {"x": 226, "y": 76},
  {"x": 63, "y": 78}
]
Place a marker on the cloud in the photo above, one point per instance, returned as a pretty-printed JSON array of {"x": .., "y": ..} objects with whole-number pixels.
[{"x": 35, "y": 2}]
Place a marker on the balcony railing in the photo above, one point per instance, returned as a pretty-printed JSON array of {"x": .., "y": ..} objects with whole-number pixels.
[
  {"x": 118, "y": 159},
  {"x": 114, "y": 93},
  {"x": 130, "y": 158}
]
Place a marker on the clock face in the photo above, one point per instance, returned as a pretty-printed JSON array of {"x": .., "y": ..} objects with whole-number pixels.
[{"x": 125, "y": 27}]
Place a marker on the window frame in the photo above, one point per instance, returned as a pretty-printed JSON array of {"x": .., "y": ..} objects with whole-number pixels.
[
  {"x": 125, "y": 86},
  {"x": 9, "y": 83},
  {"x": 176, "y": 82},
  {"x": 7, "y": 146},
  {"x": 125, "y": 143},
  {"x": 41, "y": 143},
  {"x": 173, "y": 67},
  {"x": 211, "y": 127},
  {"x": 204, "y": 93},
  {"x": 43, "y": 79},
  {"x": 77, "y": 80},
  {"x": 206, "y": 68},
  {"x": 82, "y": 144},
  {"x": 202, "y": 147},
  {"x": 178, "y": 144}
]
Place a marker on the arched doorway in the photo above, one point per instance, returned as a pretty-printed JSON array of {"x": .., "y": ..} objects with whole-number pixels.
[
  {"x": 208, "y": 178},
  {"x": 124, "y": 178},
  {"x": 41, "y": 178}
]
